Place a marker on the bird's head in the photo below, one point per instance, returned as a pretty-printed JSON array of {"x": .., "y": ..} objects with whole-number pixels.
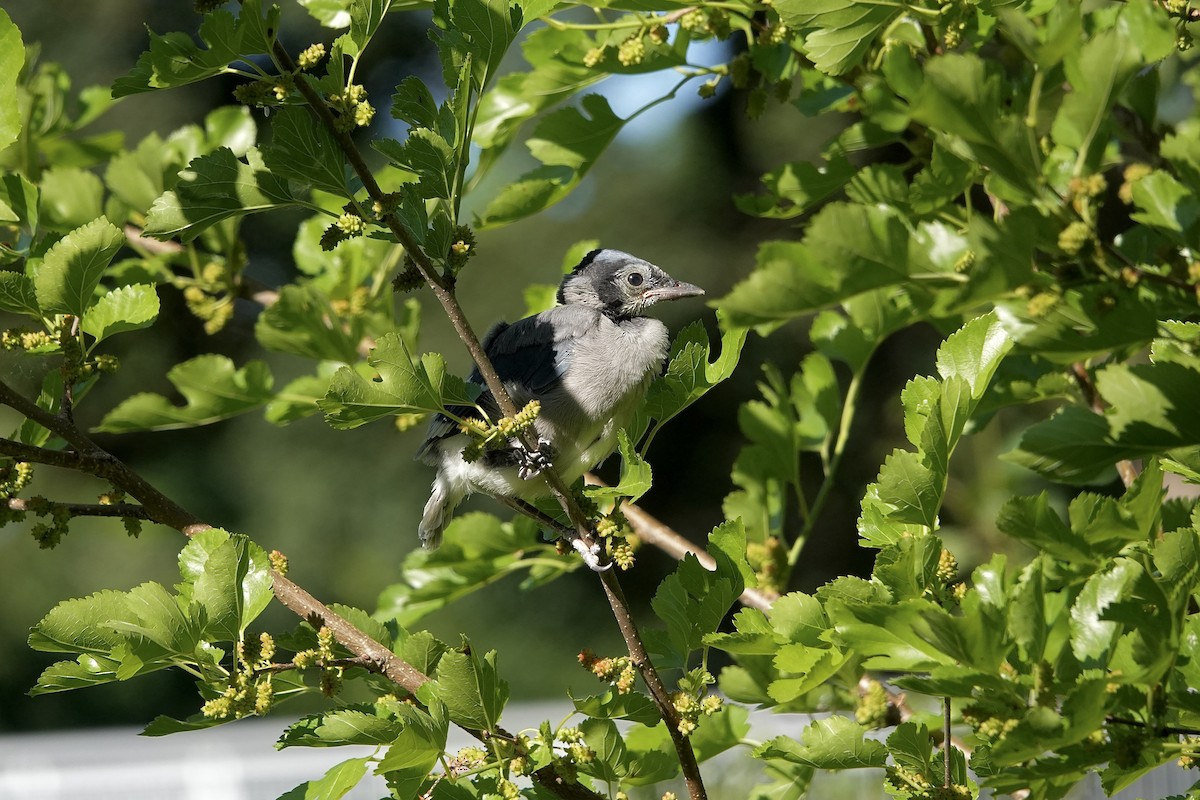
[{"x": 620, "y": 285}]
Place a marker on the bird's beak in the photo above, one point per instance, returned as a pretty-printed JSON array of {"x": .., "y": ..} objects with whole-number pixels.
[{"x": 672, "y": 290}]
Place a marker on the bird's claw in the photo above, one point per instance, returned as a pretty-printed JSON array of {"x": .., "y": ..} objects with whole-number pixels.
[
  {"x": 590, "y": 554},
  {"x": 534, "y": 462}
]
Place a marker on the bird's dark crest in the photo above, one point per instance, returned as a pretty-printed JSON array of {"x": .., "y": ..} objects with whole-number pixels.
[{"x": 588, "y": 259}]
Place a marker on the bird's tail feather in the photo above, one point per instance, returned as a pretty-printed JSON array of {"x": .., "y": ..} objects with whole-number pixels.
[{"x": 442, "y": 502}]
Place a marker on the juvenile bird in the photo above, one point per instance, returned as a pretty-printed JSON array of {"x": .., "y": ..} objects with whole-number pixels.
[{"x": 588, "y": 361}]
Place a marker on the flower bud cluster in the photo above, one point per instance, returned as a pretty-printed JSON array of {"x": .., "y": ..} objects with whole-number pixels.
[
  {"x": 351, "y": 108},
  {"x": 311, "y": 55},
  {"x": 249, "y": 689},
  {"x": 875, "y": 709},
  {"x": 692, "y": 700},
  {"x": 618, "y": 671},
  {"x": 1073, "y": 237},
  {"x": 768, "y": 559},
  {"x": 27, "y": 340},
  {"x": 485, "y": 436},
  {"x": 1132, "y": 174},
  {"x": 14, "y": 477}
]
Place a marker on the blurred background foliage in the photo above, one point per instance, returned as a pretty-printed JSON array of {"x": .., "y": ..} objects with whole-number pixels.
[{"x": 344, "y": 504}]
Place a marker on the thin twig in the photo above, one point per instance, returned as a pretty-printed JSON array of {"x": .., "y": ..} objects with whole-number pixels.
[
  {"x": 42, "y": 505},
  {"x": 641, "y": 660},
  {"x": 1165, "y": 730},
  {"x": 947, "y": 745},
  {"x": 357, "y": 661}
]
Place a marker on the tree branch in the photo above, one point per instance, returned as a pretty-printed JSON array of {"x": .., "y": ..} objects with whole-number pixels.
[
  {"x": 42, "y": 505},
  {"x": 443, "y": 290},
  {"x": 159, "y": 508}
]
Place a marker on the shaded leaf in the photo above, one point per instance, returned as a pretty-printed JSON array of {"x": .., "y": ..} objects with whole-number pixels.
[{"x": 212, "y": 388}]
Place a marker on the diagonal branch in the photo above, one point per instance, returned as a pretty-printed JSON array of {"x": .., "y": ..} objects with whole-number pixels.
[
  {"x": 443, "y": 290},
  {"x": 157, "y": 507}
]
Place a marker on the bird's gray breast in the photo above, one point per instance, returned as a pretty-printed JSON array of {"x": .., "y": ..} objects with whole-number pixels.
[{"x": 614, "y": 363}]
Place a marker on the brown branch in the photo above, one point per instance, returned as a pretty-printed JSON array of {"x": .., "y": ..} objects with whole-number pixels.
[
  {"x": 307, "y": 607},
  {"x": 641, "y": 660},
  {"x": 159, "y": 508},
  {"x": 658, "y": 534},
  {"x": 41, "y": 505},
  {"x": 1125, "y": 467},
  {"x": 443, "y": 290}
]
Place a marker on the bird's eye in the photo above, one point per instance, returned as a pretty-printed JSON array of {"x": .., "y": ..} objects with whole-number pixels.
[{"x": 635, "y": 279}]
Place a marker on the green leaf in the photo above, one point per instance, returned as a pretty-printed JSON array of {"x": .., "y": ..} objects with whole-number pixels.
[
  {"x": 974, "y": 352},
  {"x": 365, "y": 18},
  {"x": 719, "y": 732},
  {"x": 1030, "y": 519},
  {"x": 415, "y": 752},
  {"x": 17, "y": 295},
  {"x": 427, "y": 154},
  {"x": 163, "y": 725},
  {"x": 213, "y": 188},
  {"x": 67, "y": 279},
  {"x": 128, "y": 308},
  {"x": 336, "y": 783},
  {"x": 404, "y": 386},
  {"x": 692, "y": 602},
  {"x": 611, "y": 705},
  {"x": 234, "y": 587},
  {"x": 1097, "y": 71},
  {"x": 361, "y": 724},
  {"x": 1091, "y": 634},
  {"x": 837, "y": 33},
  {"x": 212, "y": 388},
  {"x": 176, "y": 60},
  {"x": 79, "y": 625},
  {"x": 1151, "y": 411},
  {"x": 303, "y": 322},
  {"x": 159, "y": 618},
  {"x": 558, "y": 73},
  {"x": 87, "y": 670},
  {"x": 12, "y": 57},
  {"x": 636, "y": 477},
  {"x": 299, "y": 398},
  {"x": 476, "y": 550},
  {"x": 796, "y": 188},
  {"x": 472, "y": 690},
  {"x": 305, "y": 152},
  {"x": 19, "y": 202},
  {"x": 831, "y": 743},
  {"x": 690, "y": 374},
  {"x": 909, "y": 490},
  {"x": 963, "y": 95},
  {"x": 567, "y": 143},
  {"x": 69, "y": 197},
  {"x": 478, "y": 32},
  {"x": 875, "y": 246},
  {"x": 1166, "y": 204}
]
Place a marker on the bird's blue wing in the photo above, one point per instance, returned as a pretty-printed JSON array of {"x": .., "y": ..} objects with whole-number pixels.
[{"x": 531, "y": 355}]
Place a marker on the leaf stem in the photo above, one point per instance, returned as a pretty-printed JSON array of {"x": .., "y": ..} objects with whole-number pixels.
[{"x": 846, "y": 421}]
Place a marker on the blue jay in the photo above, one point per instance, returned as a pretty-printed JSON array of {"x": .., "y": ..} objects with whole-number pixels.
[{"x": 588, "y": 361}]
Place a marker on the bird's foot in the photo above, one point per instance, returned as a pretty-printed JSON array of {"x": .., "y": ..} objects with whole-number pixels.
[
  {"x": 590, "y": 554},
  {"x": 532, "y": 463}
]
